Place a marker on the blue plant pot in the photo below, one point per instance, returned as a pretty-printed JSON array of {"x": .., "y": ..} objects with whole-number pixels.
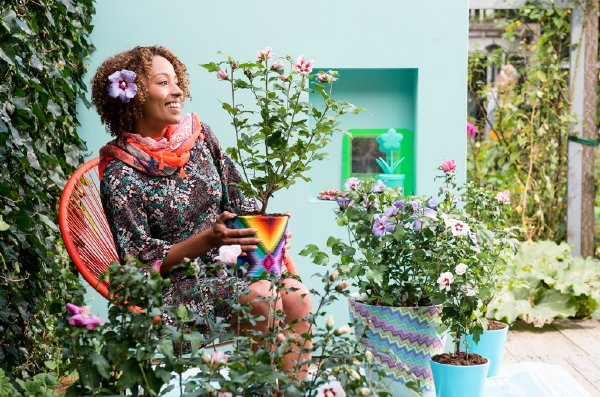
[
  {"x": 491, "y": 345},
  {"x": 459, "y": 381},
  {"x": 392, "y": 180}
]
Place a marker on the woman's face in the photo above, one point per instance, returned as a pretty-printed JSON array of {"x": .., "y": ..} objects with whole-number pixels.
[{"x": 164, "y": 100}]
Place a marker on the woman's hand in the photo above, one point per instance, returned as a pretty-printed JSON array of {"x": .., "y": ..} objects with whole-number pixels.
[{"x": 220, "y": 234}]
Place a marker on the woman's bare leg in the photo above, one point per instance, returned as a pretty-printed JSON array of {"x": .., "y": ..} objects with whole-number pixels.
[{"x": 297, "y": 304}]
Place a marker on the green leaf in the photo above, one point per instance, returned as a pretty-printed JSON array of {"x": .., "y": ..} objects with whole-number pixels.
[{"x": 3, "y": 225}]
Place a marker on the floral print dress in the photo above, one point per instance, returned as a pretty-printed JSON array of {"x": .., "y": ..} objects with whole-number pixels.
[{"x": 148, "y": 214}]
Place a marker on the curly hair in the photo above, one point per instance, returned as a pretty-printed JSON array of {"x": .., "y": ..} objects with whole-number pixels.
[{"x": 116, "y": 115}]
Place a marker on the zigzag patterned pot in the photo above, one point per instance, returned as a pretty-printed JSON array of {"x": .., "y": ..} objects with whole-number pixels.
[
  {"x": 402, "y": 339},
  {"x": 268, "y": 258}
]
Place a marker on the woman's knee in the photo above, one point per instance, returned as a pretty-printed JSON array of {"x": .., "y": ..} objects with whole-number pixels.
[
  {"x": 296, "y": 297},
  {"x": 262, "y": 296}
]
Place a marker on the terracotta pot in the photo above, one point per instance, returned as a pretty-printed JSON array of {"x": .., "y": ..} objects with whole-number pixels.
[
  {"x": 268, "y": 258},
  {"x": 402, "y": 339}
]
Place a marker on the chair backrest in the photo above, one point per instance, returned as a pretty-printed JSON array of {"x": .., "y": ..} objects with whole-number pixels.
[{"x": 84, "y": 227}]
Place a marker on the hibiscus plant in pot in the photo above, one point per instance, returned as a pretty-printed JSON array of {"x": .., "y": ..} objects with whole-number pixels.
[
  {"x": 278, "y": 135},
  {"x": 472, "y": 276},
  {"x": 399, "y": 257}
]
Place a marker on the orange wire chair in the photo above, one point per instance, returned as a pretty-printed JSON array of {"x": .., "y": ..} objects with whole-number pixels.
[
  {"x": 84, "y": 227},
  {"x": 85, "y": 230}
]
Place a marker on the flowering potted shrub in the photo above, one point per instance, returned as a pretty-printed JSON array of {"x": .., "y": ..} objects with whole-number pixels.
[
  {"x": 403, "y": 254},
  {"x": 278, "y": 136}
]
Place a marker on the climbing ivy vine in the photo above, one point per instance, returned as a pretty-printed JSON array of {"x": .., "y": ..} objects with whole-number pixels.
[{"x": 43, "y": 46}]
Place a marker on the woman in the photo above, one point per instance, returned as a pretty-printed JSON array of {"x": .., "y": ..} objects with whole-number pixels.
[{"x": 168, "y": 189}]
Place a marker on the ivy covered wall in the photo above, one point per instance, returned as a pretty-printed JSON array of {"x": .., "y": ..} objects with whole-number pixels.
[{"x": 43, "y": 48}]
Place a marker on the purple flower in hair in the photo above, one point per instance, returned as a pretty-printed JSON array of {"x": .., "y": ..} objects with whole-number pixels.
[
  {"x": 378, "y": 187},
  {"x": 122, "y": 85},
  {"x": 381, "y": 225}
]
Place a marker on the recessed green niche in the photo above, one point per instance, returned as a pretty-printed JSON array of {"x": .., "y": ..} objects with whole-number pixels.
[{"x": 360, "y": 151}]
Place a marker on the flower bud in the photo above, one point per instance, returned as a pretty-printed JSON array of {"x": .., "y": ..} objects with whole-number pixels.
[
  {"x": 323, "y": 77},
  {"x": 368, "y": 355},
  {"x": 277, "y": 65},
  {"x": 355, "y": 374},
  {"x": 342, "y": 286},
  {"x": 282, "y": 77},
  {"x": 222, "y": 75},
  {"x": 334, "y": 275},
  {"x": 364, "y": 391},
  {"x": 329, "y": 323},
  {"x": 206, "y": 358},
  {"x": 344, "y": 329},
  {"x": 280, "y": 338}
]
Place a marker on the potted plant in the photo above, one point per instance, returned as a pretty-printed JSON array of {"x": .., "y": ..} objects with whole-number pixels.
[
  {"x": 279, "y": 133},
  {"x": 472, "y": 254},
  {"x": 399, "y": 247},
  {"x": 490, "y": 209}
]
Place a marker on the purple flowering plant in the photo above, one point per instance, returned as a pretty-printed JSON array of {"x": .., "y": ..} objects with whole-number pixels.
[{"x": 414, "y": 250}]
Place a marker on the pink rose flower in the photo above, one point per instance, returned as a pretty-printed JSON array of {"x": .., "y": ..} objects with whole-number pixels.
[
  {"x": 445, "y": 280},
  {"x": 503, "y": 197},
  {"x": 323, "y": 77},
  {"x": 447, "y": 166},
  {"x": 222, "y": 75},
  {"x": 303, "y": 66},
  {"x": 82, "y": 317},
  {"x": 216, "y": 357},
  {"x": 277, "y": 65},
  {"x": 264, "y": 55},
  {"x": 228, "y": 254}
]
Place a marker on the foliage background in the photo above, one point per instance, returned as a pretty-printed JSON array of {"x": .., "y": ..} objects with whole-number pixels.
[
  {"x": 522, "y": 144},
  {"x": 43, "y": 45}
]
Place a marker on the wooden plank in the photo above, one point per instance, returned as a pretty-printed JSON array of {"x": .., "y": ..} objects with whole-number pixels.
[
  {"x": 577, "y": 334},
  {"x": 548, "y": 342},
  {"x": 586, "y": 368}
]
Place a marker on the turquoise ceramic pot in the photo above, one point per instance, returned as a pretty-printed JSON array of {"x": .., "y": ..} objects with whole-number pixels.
[
  {"x": 392, "y": 180},
  {"x": 491, "y": 345},
  {"x": 459, "y": 381}
]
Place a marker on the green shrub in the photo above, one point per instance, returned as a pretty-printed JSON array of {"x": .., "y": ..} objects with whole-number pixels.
[
  {"x": 42, "y": 49},
  {"x": 547, "y": 282}
]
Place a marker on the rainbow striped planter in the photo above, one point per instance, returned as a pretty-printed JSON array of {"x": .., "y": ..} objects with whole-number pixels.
[
  {"x": 402, "y": 339},
  {"x": 268, "y": 258}
]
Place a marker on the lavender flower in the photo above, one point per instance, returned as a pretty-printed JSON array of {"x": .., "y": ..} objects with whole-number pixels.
[
  {"x": 343, "y": 202},
  {"x": 419, "y": 225},
  {"x": 381, "y": 225},
  {"x": 430, "y": 213},
  {"x": 432, "y": 204},
  {"x": 352, "y": 183},
  {"x": 415, "y": 205},
  {"x": 391, "y": 212},
  {"x": 378, "y": 187},
  {"x": 122, "y": 85},
  {"x": 399, "y": 204}
]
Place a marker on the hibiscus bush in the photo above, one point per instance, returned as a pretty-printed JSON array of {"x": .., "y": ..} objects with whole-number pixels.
[
  {"x": 414, "y": 251},
  {"x": 161, "y": 350},
  {"x": 281, "y": 133}
]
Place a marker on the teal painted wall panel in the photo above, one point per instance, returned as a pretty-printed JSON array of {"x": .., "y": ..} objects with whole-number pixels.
[{"x": 429, "y": 36}]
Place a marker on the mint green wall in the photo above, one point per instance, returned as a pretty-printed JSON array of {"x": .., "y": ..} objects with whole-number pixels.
[{"x": 427, "y": 35}]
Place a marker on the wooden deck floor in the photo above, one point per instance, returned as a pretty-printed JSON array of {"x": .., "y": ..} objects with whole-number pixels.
[{"x": 573, "y": 344}]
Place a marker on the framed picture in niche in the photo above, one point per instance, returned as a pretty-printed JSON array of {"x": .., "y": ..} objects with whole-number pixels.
[{"x": 360, "y": 151}]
